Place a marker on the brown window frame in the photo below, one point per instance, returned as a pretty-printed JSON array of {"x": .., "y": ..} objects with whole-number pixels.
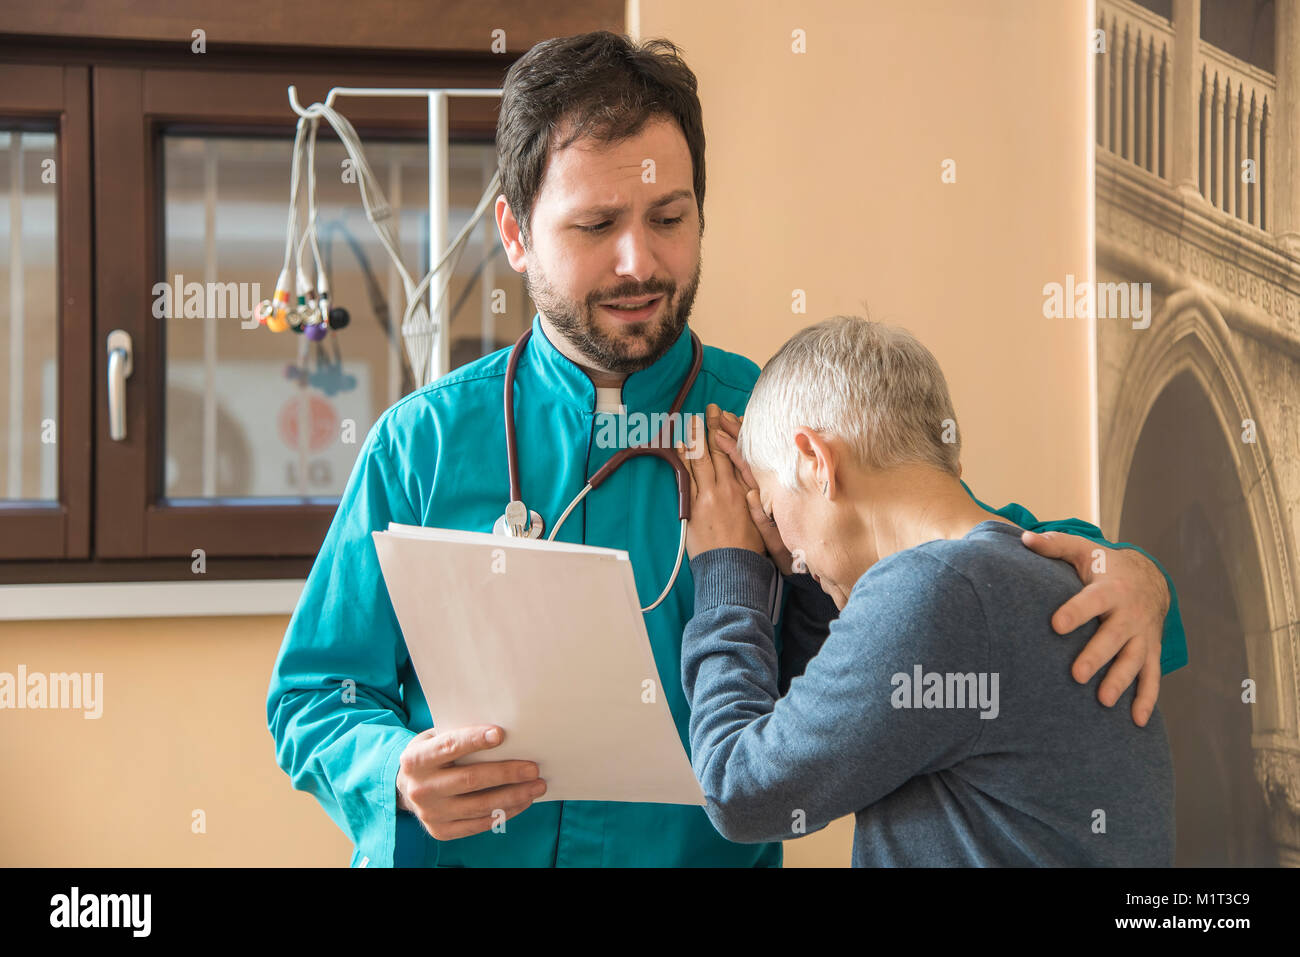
[
  {"x": 60, "y": 529},
  {"x": 112, "y": 523},
  {"x": 132, "y": 108}
]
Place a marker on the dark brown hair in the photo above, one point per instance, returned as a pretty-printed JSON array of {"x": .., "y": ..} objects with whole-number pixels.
[{"x": 595, "y": 84}]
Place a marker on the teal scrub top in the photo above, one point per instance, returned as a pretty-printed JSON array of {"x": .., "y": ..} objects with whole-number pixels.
[{"x": 344, "y": 700}]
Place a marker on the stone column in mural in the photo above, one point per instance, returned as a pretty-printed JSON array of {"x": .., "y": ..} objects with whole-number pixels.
[{"x": 1285, "y": 153}]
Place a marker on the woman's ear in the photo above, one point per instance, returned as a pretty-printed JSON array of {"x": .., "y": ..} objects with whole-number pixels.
[{"x": 816, "y": 457}]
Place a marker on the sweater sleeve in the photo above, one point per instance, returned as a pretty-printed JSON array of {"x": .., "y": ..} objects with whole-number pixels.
[{"x": 773, "y": 768}]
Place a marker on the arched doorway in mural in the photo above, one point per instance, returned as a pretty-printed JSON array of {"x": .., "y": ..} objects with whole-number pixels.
[
  {"x": 1182, "y": 474},
  {"x": 1182, "y": 487}
]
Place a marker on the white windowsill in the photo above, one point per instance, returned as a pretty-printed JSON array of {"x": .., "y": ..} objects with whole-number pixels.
[{"x": 149, "y": 599}]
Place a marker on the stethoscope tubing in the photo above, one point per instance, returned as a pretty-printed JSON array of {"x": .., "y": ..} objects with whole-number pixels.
[{"x": 662, "y": 448}]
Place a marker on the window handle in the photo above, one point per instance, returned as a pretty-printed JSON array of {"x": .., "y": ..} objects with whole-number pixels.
[{"x": 119, "y": 370}]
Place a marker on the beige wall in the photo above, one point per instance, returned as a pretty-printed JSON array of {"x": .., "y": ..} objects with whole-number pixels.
[
  {"x": 183, "y": 729},
  {"x": 823, "y": 175}
]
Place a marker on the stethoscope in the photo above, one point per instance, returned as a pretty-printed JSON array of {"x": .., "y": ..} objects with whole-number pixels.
[{"x": 521, "y": 522}]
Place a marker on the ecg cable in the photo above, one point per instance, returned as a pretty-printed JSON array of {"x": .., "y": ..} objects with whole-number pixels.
[{"x": 314, "y": 315}]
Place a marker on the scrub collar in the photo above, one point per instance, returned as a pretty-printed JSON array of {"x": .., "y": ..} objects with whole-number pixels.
[{"x": 646, "y": 391}]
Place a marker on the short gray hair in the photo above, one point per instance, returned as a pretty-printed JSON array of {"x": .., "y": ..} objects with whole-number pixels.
[{"x": 874, "y": 386}]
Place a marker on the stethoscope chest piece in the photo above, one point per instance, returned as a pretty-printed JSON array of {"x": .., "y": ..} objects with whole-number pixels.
[
  {"x": 512, "y": 522},
  {"x": 520, "y": 522}
]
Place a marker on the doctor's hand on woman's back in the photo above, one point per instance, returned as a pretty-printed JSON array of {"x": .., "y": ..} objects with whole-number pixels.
[{"x": 458, "y": 800}]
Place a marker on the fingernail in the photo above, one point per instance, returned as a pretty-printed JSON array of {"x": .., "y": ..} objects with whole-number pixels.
[
  {"x": 493, "y": 736},
  {"x": 729, "y": 416}
]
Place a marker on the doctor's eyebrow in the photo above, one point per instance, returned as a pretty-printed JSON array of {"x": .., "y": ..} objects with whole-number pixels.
[{"x": 612, "y": 211}]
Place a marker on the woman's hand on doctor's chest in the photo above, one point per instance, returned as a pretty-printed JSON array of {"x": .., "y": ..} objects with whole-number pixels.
[
  {"x": 726, "y": 433},
  {"x": 720, "y": 514}
]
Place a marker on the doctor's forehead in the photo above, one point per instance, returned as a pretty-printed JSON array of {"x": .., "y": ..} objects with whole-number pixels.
[{"x": 651, "y": 168}]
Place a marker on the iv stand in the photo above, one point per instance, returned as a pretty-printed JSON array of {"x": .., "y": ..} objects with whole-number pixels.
[{"x": 439, "y": 157}]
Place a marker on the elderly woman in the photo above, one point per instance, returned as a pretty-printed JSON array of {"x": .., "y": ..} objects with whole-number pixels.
[{"x": 939, "y": 709}]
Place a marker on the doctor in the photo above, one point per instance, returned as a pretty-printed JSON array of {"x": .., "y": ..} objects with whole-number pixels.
[{"x": 612, "y": 261}]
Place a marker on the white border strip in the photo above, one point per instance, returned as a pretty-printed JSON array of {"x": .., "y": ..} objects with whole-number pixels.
[{"x": 148, "y": 599}]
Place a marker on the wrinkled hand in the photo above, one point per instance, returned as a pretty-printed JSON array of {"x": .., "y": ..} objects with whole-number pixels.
[
  {"x": 1128, "y": 593},
  {"x": 726, "y": 436},
  {"x": 720, "y": 514}
]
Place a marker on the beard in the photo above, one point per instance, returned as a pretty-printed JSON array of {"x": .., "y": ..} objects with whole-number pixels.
[{"x": 634, "y": 345}]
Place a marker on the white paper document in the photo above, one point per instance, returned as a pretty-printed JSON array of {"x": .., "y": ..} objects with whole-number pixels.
[{"x": 547, "y": 641}]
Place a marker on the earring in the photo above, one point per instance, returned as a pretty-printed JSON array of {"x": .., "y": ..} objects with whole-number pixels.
[{"x": 825, "y": 485}]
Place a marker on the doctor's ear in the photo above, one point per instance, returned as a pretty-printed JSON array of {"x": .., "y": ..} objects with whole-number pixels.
[{"x": 512, "y": 239}]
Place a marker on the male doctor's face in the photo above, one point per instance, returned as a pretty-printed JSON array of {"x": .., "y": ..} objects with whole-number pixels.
[{"x": 613, "y": 261}]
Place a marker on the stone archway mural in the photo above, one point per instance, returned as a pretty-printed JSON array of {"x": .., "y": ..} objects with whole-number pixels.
[{"x": 1186, "y": 471}]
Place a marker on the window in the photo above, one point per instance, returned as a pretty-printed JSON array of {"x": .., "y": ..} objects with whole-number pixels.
[
  {"x": 29, "y": 289},
  {"x": 234, "y": 438},
  {"x": 44, "y": 313},
  {"x": 252, "y": 414}
]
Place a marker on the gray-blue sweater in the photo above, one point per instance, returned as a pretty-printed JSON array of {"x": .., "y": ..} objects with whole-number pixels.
[{"x": 938, "y": 707}]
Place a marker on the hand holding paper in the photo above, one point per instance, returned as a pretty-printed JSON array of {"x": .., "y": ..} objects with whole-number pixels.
[{"x": 453, "y": 802}]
